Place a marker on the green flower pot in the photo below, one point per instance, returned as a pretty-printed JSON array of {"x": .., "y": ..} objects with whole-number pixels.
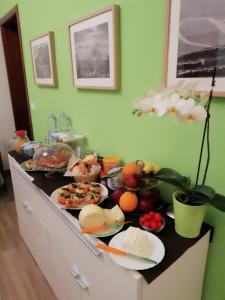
[{"x": 188, "y": 218}]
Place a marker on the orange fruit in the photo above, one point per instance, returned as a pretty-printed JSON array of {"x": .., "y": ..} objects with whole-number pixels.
[
  {"x": 130, "y": 168},
  {"x": 128, "y": 201}
]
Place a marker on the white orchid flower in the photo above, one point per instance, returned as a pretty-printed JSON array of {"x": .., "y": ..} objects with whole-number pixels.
[
  {"x": 187, "y": 110},
  {"x": 203, "y": 97},
  {"x": 143, "y": 104}
]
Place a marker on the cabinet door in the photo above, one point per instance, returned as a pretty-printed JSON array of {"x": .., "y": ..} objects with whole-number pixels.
[
  {"x": 32, "y": 228},
  {"x": 96, "y": 277},
  {"x": 66, "y": 279}
]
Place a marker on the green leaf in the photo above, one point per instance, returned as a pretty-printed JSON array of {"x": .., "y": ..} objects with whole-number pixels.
[
  {"x": 205, "y": 191},
  {"x": 173, "y": 177},
  {"x": 218, "y": 202}
]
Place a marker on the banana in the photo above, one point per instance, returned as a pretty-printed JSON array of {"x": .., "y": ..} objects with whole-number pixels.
[{"x": 150, "y": 167}]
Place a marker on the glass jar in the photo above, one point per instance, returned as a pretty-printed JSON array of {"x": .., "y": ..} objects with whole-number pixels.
[
  {"x": 20, "y": 139},
  {"x": 53, "y": 129}
]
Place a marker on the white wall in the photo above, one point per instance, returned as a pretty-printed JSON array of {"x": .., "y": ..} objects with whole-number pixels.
[{"x": 7, "y": 126}]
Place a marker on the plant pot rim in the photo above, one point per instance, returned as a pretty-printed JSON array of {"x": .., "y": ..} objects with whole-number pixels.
[{"x": 179, "y": 192}]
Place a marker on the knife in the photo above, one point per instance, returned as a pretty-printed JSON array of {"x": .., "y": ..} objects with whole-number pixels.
[{"x": 122, "y": 252}]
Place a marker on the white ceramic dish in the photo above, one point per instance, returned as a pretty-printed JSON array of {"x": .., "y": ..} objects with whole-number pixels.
[
  {"x": 157, "y": 253},
  {"x": 104, "y": 195}
]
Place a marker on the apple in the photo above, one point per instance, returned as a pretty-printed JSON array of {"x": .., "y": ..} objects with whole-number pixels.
[
  {"x": 145, "y": 205},
  {"x": 131, "y": 180},
  {"x": 115, "y": 196},
  {"x": 151, "y": 193}
]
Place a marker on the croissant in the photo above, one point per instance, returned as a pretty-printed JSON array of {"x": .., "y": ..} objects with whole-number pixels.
[
  {"x": 90, "y": 159},
  {"x": 79, "y": 169}
]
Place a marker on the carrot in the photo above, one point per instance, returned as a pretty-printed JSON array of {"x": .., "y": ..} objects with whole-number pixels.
[{"x": 94, "y": 229}]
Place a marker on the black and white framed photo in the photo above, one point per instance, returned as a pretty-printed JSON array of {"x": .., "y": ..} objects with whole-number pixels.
[
  {"x": 43, "y": 59},
  {"x": 195, "y": 43},
  {"x": 94, "y": 42}
]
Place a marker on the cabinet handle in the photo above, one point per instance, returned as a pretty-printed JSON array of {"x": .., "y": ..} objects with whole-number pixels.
[
  {"x": 27, "y": 208},
  {"x": 81, "y": 281}
]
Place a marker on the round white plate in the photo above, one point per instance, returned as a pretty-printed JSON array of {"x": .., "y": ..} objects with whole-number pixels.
[
  {"x": 108, "y": 232},
  {"x": 104, "y": 195},
  {"x": 157, "y": 253}
]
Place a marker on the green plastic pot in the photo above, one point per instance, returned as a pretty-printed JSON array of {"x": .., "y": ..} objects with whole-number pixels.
[{"x": 188, "y": 218}]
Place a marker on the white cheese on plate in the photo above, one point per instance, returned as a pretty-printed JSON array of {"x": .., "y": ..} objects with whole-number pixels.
[{"x": 136, "y": 241}]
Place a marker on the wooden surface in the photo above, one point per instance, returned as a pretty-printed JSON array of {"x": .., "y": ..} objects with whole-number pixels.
[{"x": 20, "y": 277}]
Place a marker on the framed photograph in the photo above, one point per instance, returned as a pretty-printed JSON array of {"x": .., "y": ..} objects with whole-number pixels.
[
  {"x": 94, "y": 43},
  {"x": 43, "y": 59},
  {"x": 195, "y": 43}
]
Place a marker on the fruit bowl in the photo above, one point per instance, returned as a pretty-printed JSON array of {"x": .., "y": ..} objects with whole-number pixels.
[{"x": 152, "y": 221}]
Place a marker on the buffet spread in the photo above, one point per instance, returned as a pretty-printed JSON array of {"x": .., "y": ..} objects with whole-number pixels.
[{"x": 135, "y": 238}]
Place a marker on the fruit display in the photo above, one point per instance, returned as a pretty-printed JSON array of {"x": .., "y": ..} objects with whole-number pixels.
[
  {"x": 152, "y": 221},
  {"x": 138, "y": 175},
  {"x": 138, "y": 191}
]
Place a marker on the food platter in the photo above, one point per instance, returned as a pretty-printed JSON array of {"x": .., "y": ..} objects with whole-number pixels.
[
  {"x": 31, "y": 166},
  {"x": 157, "y": 253},
  {"x": 87, "y": 198}
]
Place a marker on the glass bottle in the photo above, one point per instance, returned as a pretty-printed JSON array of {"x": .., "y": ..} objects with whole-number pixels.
[
  {"x": 53, "y": 128},
  {"x": 20, "y": 139},
  {"x": 65, "y": 123}
]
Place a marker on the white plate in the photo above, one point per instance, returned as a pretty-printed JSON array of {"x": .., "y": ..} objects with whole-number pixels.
[
  {"x": 157, "y": 253},
  {"x": 104, "y": 195},
  {"x": 108, "y": 232}
]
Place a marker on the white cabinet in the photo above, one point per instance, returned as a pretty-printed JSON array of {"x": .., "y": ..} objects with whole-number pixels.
[
  {"x": 76, "y": 270},
  {"x": 32, "y": 226}
]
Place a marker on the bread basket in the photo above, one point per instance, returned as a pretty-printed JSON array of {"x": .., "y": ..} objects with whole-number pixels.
[{"x": 89, "y": 177}]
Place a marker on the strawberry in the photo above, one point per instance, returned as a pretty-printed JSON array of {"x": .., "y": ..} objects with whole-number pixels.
[
  {"x": 147, "y": 224},
  {"x": 151, "y": 215},
  {"x": 157, "y": 217},
  {"x": 153, "y": 225}
]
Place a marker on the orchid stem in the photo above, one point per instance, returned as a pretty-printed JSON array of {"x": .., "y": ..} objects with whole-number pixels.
[{"x": 206, "y": 131}]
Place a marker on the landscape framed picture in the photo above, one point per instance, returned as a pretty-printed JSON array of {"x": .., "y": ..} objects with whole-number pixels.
[
  {"x": 94, "y": 43},
  {"x": 43, "y": 59},
  {"x": 195, "y": 43}
]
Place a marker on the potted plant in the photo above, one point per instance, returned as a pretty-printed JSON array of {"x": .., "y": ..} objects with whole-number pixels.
[{"x": 190, "y": 200}]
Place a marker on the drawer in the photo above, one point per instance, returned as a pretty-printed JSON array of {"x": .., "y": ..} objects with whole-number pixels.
[{"x": 103, "y": 277}]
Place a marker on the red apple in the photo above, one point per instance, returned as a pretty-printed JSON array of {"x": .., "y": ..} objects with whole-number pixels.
[
  {"x": 115, "y": 196},
  {"x": 153, "y": 193},
  {"x": 145, "y": 205},
  {"x": 131, "y": 180}
]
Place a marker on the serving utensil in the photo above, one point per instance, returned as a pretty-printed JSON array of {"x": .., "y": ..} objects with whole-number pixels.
[{"x": 121, "y": 252}]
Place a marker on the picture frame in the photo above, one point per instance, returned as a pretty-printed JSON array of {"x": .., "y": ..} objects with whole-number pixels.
[
  {"x": 44, "y": 60},
  {"x": 195, "y": 44},
  {"x": 94, "y": 45}
]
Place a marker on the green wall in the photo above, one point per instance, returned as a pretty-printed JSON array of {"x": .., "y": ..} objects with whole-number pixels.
[{"x": 105, "y": 116}]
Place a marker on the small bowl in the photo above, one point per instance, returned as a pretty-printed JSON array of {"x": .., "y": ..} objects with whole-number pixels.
[{"x": 153, "y": 230}]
